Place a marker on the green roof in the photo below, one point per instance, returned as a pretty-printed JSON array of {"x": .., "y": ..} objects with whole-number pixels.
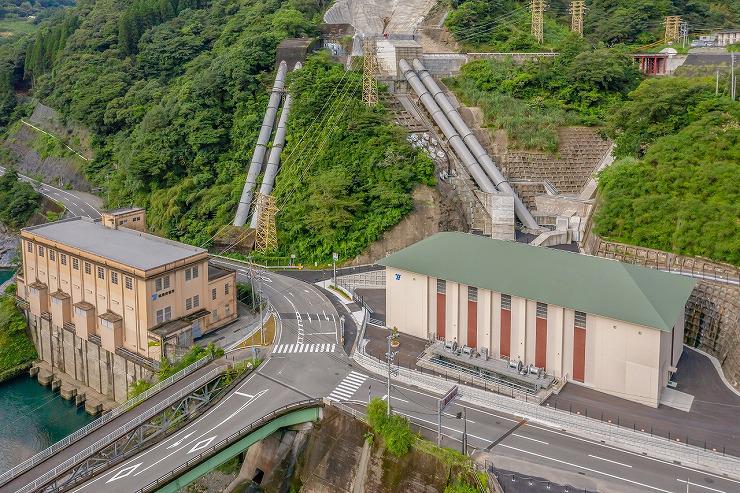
[{"x": 589, "y": 284}]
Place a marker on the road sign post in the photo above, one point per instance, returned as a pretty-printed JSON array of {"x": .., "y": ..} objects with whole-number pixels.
[{"x": 441, "y": 404}]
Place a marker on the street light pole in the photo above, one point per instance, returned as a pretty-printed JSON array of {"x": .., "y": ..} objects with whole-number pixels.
[
  {"x": 334, "y": 257},
  {"x": 389, "y": 358}
]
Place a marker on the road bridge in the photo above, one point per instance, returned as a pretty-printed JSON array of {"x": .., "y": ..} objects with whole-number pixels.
[{"x": 305, "y": 317}]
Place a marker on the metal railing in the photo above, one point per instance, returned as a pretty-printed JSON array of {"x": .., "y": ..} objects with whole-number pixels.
[
  {"x": 580, "y": 425},
  {"x": 114, "y": 413},
  {"x": 234, "y": 437},
  {"x": 129, "y": 426}
]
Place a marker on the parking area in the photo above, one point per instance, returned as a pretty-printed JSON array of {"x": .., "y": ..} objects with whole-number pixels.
[{"x": 712, "y": 421}]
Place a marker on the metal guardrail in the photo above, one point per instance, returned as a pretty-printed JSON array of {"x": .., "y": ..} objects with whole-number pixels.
[
  {"x": 577, "y": 424},
  {"x": 63, "y": 443},
  {"x": 129, "y": 426},
  {"x": 234, "y": 437}
]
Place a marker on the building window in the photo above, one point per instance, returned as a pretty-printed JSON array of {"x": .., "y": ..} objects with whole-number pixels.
[
  {"x": 41, "y": 251},
  {"x": 129, "y": 283},
  {"x": 88, "y": 268},
  {"x": 472, "y": 293},
  {"x": 191, "y": 273},
  {"x": 114, "y": 277},
  {"x": 162, "y": 283},
  {"x": 29, "y": 245},
  {"x": 52, "y": 255},
  {"x": 189, "y": 304},
  {"x": 195, "y": 272},
  {"x": 75, "y": 264},
  {"x": 101, "y": 273},
  {"x": 196, "y": 301},
  {"x": 213, "y": 293},
  {"x": 164, "y": 315},
  {"x": 215, "y": 315},
  {"x": 187, "y": 274},
  {"x": 441, "y": 286},
  {"x": 541, "y": 310},
  {"x": 506, "y": 302},
  {"x": 226, "y": 288},
  {"x": 63, "y": 259},
  {"x": 580, "y": 320}
]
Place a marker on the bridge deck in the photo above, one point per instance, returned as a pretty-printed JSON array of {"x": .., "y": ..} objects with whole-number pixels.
[{"x": 68, "y": 452}]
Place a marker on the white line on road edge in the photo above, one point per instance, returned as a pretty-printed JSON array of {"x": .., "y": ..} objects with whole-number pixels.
[
  {"x": 584, "y": 468},
  {"x": 529, "y": 438},
  {"x": 609, "y": 460},
  {"x": 54, "y": 137},
  {"x": 699, "y": 485}
]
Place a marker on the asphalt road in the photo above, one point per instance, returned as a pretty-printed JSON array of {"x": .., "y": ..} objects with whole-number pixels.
[
  {"x": 76, "y": 203},
  {"x": 309, "y": 362}
]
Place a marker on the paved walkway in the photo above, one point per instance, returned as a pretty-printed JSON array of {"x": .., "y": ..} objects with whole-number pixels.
[
  {"x": 104, "y": 430},
  {"x": 713, "y": 418}
]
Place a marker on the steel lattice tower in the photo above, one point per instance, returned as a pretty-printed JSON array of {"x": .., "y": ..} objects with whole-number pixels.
[
  {"x": 266, "y": 234},
  {"x": 672, "y": 26},
  {"x": 369, "y": 69},
  {"x": 577, "y": 9},
  {"x": 538, "y": 17}
]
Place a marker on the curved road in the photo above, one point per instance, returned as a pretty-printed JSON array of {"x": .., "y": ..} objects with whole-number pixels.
[
  {"x": 76, "y": 203},
  {"x": 308, "y": 362}
]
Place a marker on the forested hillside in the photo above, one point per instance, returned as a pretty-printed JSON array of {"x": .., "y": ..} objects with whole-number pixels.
[
  {"x": 175, "y": 90},
  {"x": 504, "y": 25}
]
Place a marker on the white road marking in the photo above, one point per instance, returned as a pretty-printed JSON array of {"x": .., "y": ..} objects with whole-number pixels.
[
  {"x": 584, "y": 468},
  {"x": 123, "y": 473},
  {"x": 202, "y": 444},
  {"x": 325, "y": 315},
  {"x": 699, "y": 485},
  {"x": 385, "y": 397},
  {"x": 243, "y": 394},
  {"x": 304, "y": 348},
  {"x": 530, "y": 438},
  {"x": 309, "y": 317},
  {"x": 179, "y": 442},
  {"x": 348, "y": 386},
  {"x": 609, "y": 460}
]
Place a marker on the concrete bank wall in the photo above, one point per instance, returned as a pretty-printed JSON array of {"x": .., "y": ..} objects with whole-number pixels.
[{"x": 86, "y": 362}]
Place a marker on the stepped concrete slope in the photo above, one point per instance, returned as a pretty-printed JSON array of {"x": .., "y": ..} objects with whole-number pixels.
[{"x": 378, "y": 17}]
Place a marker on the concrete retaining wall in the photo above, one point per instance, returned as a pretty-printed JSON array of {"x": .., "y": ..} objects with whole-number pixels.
[{"x": 89, "y": 364}]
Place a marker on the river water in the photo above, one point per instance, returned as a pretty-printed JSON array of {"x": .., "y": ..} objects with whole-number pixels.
[{"x": 32, "y": 417}]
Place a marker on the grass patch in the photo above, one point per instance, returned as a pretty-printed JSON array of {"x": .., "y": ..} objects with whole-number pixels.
[
  {"x": 256, "y": 339},
  {"x": 16, "y": 348},
  {"x": 14, "y": 25},
  {"x": 340, "y": 292}
]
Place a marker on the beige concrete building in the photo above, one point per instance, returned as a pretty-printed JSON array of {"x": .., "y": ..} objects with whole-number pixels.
[
  {"x": 727, "y": 37},
  {"x": 109, "y": 284},
  {"x": 614, "y": 327}
]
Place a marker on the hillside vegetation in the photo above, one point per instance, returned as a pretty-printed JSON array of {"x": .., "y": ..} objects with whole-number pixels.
[
  {"x": 677, "y": 186},
  {"x": 175, "y": 91}
]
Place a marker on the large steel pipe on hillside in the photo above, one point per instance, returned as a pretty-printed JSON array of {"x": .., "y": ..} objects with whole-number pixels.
[
  {"x": 474, "y": 145},
  {"x": 273, "y": 160},
  {"x": 456, "y": 142},
  {"x": 258, "y": 157}
]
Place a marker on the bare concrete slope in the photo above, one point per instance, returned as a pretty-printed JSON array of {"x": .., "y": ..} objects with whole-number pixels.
[{"x": 377, "y": 17}]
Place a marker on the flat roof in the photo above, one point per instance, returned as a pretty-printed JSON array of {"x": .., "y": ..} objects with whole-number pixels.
[
  {"x": 585, "y": 283},
  {"x": 126, "y": 246}
]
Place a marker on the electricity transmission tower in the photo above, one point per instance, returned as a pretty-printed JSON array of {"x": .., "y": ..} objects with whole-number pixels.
[
  {"x": 266, "y": 234},
  {"x": 538, "y": 17},
  {"x": 672, "y": 26},
  {"x": 577, "y": 8},
  {"x": 369, "y": 69}
]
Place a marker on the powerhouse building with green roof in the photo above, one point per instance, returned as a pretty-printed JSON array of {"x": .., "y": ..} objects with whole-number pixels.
[{"x": 614, "y": 327}]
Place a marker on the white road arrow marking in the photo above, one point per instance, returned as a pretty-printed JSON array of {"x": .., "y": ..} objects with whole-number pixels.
[
  {"x": 179, "y": 442},
  {"x": 126, "y": 471},
  {"x": 202, "y": 444}
]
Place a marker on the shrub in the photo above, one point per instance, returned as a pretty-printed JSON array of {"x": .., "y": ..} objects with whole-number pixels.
[{"x": 394, "y": 430}]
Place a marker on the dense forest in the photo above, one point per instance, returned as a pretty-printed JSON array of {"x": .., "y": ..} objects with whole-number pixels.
[
  {"x": 504, "y": 25},
  {"x": 18, "y": 200},
  {"x": 26, "y": 8},
  {"x": 175, "y": 90}
]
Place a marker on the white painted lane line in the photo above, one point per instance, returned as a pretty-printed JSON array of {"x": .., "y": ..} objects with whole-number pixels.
[
  {"x": 699, "y": 485},
  {"x": 333, "y": 346},
  {"x": 309, "y": 317},
  {"x": 584, "y": 468},
  {"x": 385, "y": 397},
  {"x": 358, "y": 381},
  {"x": 342, "y": 393},
  {"x": 243, "y": 394},
  {"x": 609, "y": 460},
  {"x": 325, "y": 316},
  {"x": 530, "y": 438},
  {"x": 290, "y": 349}
]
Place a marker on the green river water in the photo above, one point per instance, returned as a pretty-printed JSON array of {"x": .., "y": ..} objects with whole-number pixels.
[{"x": 32, "y": 417}]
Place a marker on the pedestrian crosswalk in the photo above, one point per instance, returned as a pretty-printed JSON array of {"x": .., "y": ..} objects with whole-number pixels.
[
  {"x": 304, "y": 348},
  {"x": 347, "y": 387}
]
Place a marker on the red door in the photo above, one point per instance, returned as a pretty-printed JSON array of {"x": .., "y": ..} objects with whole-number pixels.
[
  {"x": 472, "y": 323},
  {"x": 505, "y": 333},
  {"x": 540, "y": 346},
  {"x": 441, "y": 315},
  {"x": 579, "y": 353}
]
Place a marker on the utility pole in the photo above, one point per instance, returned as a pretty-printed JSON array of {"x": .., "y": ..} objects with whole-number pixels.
[
  {"x": 389, "y": 356},
  {"x": 577, "y": 8},
  {"x": 672, "y": 23},
  {"x": 334, "y": 258},
  {"x": 684, "y": 32},
  {"x": 538, "y": 18},
  {"x": 716, "y": 83},
  {"x": 733, "y": 82},
  {"x": 369, "y": 69}
]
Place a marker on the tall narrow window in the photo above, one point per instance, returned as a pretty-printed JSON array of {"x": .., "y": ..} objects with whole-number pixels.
[
  {"x": 441, "y": 286},
  {"x": 129, "y": 283},
  {"x": 506, "y": 301},
  {"x": 195, "y": 272},
  {"x": 580, "y": 320},
  {"x": 540, "y": 344},
  {"x": 196, "y": 301},
  {"x": 63, "y": 259},
  {"x": 52, "y": 255},
  {"x": 41, "y": 251},
  {"x": 114, "y": 277},
  {"x": 226, "y": 288},
  {"x": 472, "y": 293},
  {"x": 29, "y": 245},
  {"x": 166, "y": 282},
  {"x": 189, "y": 304},
  {"x": 88, "y": 268},
  {"x": 213, "y": 293},
  {"x": 101, "y": 273},
  {"x": 76, "y": 264},
  {"x": 158, "y": 284},
  {"x": 187, "y": 274},
  {"x": 542, "y": 310}
]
